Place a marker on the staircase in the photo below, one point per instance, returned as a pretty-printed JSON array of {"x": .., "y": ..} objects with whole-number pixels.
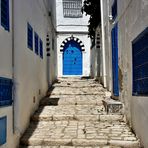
[{"x": 73, "y": 116}]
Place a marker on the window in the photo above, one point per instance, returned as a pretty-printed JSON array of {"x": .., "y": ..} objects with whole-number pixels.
[
  {"x": 41, "y": 48},
  {"x": 3, "y": 130},
  {"x": 5, "y": 91},
  {"x": 36, "y": 40},
  {"x": 5, "y": 14},
  {"x": 72, "y": 8},
  {"x": 114, "y": 9},
  {"x": 29, "y": 36},
  {"x": 140, "y": 64},
  {"x": 52, "y": 44}
]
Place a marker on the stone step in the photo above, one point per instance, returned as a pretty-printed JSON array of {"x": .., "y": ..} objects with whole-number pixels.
[
  {"x": 74, "y": 112},
  {"x": 113, "y": 106},
  {"x": 71, "y": 100},
  {"x": 105, "y": 146},
  {"x": 73, "y": 80},
  {"x": 77, "y": 85},
  {"x": 74, "y": 133}
]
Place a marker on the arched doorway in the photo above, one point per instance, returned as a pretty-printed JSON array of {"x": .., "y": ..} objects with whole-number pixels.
[{"x": 72, "y": 57}]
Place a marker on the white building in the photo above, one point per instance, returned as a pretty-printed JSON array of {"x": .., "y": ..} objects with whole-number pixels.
[
  {"x": 73, "y": 44},
  {"x": 26, "y": 69},
  {"x": 125, "y": 46}
]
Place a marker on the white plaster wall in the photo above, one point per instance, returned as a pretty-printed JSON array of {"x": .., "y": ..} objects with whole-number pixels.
[
  {"x": 132, "y": 20},
  {"x": 6, "y": 71},
  {"x": 86, "y": 54},
  {"x": 93, "y": 59},
  {"x": 67, "y": 24},
  {"x": 30, "y": 70}
]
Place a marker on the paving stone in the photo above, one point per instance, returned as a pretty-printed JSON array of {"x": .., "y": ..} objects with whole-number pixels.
[{"x": 73, "y": 116}]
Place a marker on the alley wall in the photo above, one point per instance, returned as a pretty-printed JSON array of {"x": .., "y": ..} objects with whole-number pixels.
[
  {"x": 29, "y": 68},
  {"x": 131, "y": 20}
]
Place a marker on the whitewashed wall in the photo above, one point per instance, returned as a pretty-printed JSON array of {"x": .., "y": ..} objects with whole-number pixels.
[
  {"x": 77, "y": 27},
  {"x": 132, "y": 20},
  {"x": 30, "y": 73},
  {"x": 6, "y": 71}
]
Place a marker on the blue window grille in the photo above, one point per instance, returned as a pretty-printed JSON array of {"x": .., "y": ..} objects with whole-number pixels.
[
  {"x": 41, "y": 48},
  {"x": 140, "y": 64},
  {"x": 5, "y": 14},
  {"x": 3, "y": 130},
  {"x": 29, "y": 36},
  {"x": 114, "y": 9},
  {"x": 36, "y": 40},
  {"x": 5, "y": 91}
]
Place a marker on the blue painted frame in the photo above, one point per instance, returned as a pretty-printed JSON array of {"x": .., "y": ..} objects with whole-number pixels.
[
  {"x": 36, "y": 43},
  {"x": 72, "y": 58},
  {"x": 115, "y": 72},
  {"x": 29, "y": 36},
  {"x": 5, "y": 92},
  {"x": 114, "y": 9},
  {"x": 41, "y": 48},
  {"x": 140, "y": 64},
  {"x": 5, "y": 14},
  {"x": 3, "y": 130}
]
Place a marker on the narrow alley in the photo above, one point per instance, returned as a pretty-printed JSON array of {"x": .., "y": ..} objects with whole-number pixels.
[
  {"x": 73, "y": 73},
  {"x": 73, "y": 116}
]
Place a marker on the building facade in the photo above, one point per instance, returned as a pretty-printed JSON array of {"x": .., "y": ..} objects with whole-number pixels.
[
  {"x": 125, "y": 34},
  {"x": 27, "y": 64},
  {"x": 73, "y": 44}
]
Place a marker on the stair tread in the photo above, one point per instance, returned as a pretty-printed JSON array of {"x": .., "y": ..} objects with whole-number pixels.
[{"x": 73, "y": 116}]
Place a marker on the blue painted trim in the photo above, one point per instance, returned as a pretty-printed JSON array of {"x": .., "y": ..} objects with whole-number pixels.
[
  {"x": 36, "y": 42},
  {"x": 140, "y": 64},
  {"x": 3, "y": 130},
  {"x": 5, "y": 14},
  {"x": 115, "y": 60},
  {"x": 5, "y": 92},
  {"x": 29, "y": 36},
  {"x": 41, "y": 48},
  {"x": 114, "y": 9}
]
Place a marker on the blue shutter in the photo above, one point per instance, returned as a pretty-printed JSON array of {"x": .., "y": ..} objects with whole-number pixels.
[
  {"x": 5, "y": 14},
  {"x": 115, "y": 60},
  {"x": 5, "y": 91},
  {"x": 140, "y": 64},
  {"x": 114, "y": 9},
  {"x": 41, "y": 48},
  {"x": 29, "y": 36},
  {"x": 3, "y": 130},
  {"x": 36, "y": 40}
]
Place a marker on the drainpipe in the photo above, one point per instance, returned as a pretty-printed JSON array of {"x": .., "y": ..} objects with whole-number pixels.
[
  {"x": 13, "y": 93},
  {"x": 103, "y": 44}
]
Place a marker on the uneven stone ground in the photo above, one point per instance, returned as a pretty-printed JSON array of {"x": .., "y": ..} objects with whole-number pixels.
[{"x": 73, "y": 116}]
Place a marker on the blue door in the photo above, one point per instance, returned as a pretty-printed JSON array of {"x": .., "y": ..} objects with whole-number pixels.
[
  {"x": 72, "y": 59},
  {"x": 115, "y": 60}
]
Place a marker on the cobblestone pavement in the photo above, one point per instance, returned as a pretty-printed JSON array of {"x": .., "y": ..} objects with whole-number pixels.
[{"x": 73, "y": 116}]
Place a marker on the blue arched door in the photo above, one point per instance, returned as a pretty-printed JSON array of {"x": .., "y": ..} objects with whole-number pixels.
[{"x": 72, "y": 58}]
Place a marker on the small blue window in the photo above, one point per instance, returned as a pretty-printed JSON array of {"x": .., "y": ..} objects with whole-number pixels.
[
  {"x": 29, "y": 36},
  {"x": 140, "y": 64},
  {"x": 5, "y": 91},
  {"x": 5, "y": 14},
  {"x": 114, "y": 9},
  {"x": 41, "y": 48},
  {"x": 3, "y": 130},
  {"x": 36, "y": 40}
]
